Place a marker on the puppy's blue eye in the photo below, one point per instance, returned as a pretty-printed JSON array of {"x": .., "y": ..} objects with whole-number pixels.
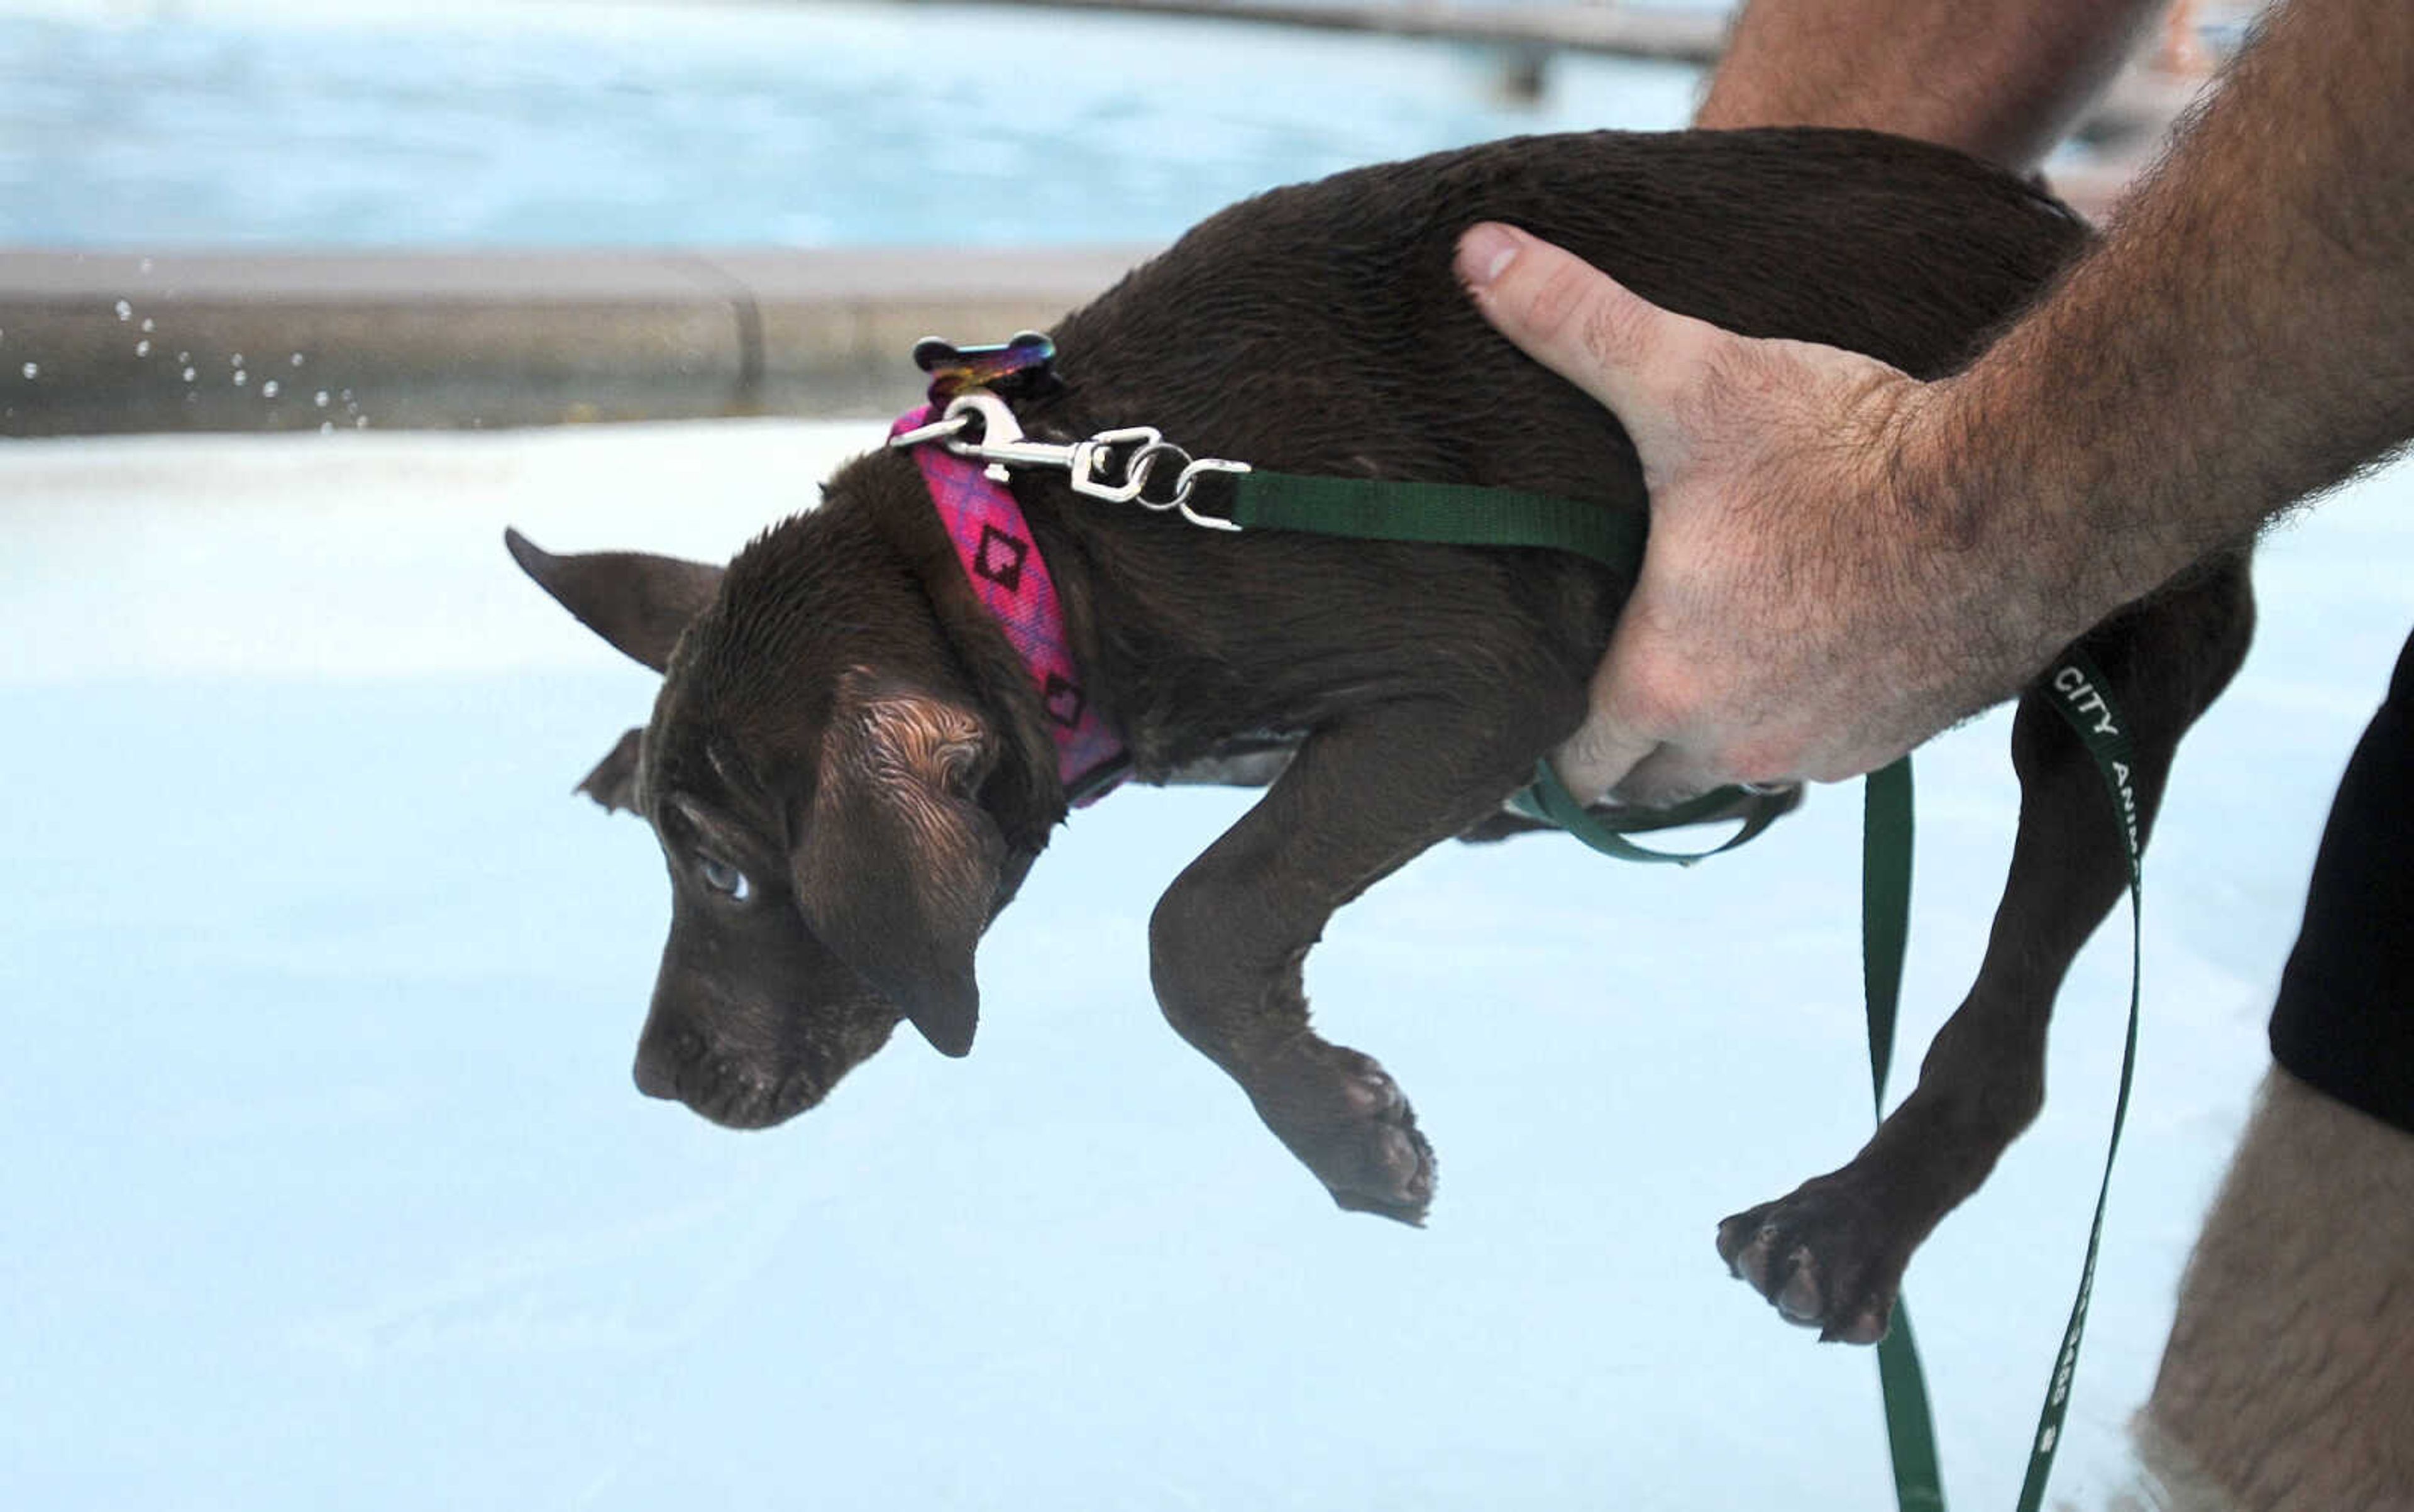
[{"x": 723, "y": 877}]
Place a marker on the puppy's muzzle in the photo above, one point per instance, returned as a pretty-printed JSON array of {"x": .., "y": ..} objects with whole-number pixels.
[{"x": 734, "y": 1090}]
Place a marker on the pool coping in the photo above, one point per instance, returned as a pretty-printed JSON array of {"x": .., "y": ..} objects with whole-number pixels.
[{"x": 498, "y": 337}]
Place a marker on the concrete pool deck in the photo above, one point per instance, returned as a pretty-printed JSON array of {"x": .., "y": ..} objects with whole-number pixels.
[{"x": 113, "y": 342}]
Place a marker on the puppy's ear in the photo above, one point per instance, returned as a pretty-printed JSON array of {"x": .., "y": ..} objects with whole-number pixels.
[
  {"x": 614, "y": 781},
  {"x": 897, "y": 867},
  {"x": 638, "y": 603}
]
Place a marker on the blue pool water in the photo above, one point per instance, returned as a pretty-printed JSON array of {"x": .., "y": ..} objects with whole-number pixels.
[{"x": 585, "y": 123}]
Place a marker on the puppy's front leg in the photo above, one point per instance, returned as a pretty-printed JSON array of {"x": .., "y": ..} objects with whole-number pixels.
[{"x": 1227, "y": 942}]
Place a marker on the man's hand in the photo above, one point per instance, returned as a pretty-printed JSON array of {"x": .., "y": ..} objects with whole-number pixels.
[{"x": 1806, "y": 605}]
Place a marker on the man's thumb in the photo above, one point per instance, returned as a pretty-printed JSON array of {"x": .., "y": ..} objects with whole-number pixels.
[{"x": 1587, "y": 327}]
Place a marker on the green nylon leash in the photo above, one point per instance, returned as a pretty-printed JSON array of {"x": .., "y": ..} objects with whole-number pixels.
[
  {"x": 1460, "y": 514},
  {"x": 1547, "y": 797},
  {"x": 1447, "y": 514},
  {"x": 2081, "y": 695},
  {"x": 1885, "y": 940}
]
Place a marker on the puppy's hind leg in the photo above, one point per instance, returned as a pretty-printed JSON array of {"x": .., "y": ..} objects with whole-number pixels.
[
  {"x": 1364, "y": 795},
  {"x": 1831, "y": 1254}
]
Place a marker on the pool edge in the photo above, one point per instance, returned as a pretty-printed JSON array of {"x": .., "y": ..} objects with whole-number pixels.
[{"x": 119, "y": 342}]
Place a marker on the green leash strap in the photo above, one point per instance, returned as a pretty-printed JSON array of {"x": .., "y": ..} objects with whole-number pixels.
[
  {"x": 1446, "y": 513},
  {"x": 1548, "y": 798},
  {"x": 2081, "y": 695},
  {"x": 1885, "y": 909},
  {"x": 1885, "y": 939}
]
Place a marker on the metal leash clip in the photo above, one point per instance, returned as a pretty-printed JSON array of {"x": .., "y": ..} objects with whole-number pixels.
[{"x": 1113, "y": 465}]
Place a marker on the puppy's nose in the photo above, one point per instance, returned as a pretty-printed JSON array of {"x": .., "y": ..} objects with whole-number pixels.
[{"x": 657, "y": 1072}]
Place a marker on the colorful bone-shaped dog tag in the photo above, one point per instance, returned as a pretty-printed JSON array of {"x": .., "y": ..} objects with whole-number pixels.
[{"x": 1015, "y": 369}]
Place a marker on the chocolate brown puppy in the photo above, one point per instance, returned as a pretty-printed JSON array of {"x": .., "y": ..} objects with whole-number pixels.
[{"x": 850, "y": 768}]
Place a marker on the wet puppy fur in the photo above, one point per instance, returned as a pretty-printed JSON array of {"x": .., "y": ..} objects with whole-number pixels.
[{"x": 850, "y": 770}]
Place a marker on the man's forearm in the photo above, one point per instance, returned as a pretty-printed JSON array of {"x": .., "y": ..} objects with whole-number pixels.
[
  {"x": 2244, "y": 337},
  {"x": 1846, "y": 560},
  {"x": 2002, "y": 80}
]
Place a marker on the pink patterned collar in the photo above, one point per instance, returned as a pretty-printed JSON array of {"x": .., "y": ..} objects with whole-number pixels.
[{"x": 1001, "y": 563}]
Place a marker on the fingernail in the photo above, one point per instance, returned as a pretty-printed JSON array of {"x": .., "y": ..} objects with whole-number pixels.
[{"x": 1484, "y": 254}]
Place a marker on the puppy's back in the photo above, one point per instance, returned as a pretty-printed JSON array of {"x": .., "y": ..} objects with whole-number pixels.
[{"x": 1320, "y": 327}]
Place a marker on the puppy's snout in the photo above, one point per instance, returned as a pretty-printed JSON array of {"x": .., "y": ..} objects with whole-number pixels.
[
  {"x": 660, "y": 1058},
  {"x": 655, "y": 1077}
]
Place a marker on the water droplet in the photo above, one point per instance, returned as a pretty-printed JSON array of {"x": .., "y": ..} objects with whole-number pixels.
[
  {"x": 319, "y": 398},
  {"x": 241, "y": 378},
  {"x": 32, "y": 368},
  {"x": 268, "y": 389},
  {"x": 297, "y": 359},
  {"x": 184, "y": 356},
  {"x": 143, "y": 348},
  {"x": 346, "y": 396},
  {"x": 235, "y": 361},
  {"x": 149, "y": 325},
  {"x": 189, "y": 373},
  {"x": 326, "y": 428},
  {"x": 124, "y": 310},
  {"x": 362, "y": 424}
]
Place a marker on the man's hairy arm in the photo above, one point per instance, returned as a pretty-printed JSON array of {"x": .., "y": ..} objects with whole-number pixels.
[
  {"x": 2001, "y": 80},
  {"x": 2245, "y": 337},
  {"x": 1845, "y": 561}
]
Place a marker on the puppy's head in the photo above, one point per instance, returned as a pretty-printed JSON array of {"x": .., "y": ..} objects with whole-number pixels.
[{"x": 818, "y": 776}]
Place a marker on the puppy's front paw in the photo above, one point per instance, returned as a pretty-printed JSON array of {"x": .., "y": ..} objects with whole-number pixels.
[
  {"x": 1343, "y": 1116},
  {"x": 1827, "y": 1257}
]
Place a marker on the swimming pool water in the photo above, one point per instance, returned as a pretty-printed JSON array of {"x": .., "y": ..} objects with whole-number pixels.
[{"x": 588, "y": 122}]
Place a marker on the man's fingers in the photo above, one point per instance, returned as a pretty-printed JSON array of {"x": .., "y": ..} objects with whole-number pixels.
[
  {"x": 1631, "y": 745},
  {"x": 1589, "y": 328},
  {"x": 1598, "y": 756},
  {"x": 1616, "y": 736}
]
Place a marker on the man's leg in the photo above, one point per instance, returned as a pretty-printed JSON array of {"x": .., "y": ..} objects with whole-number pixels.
[{"x": 2288, "y": 1382}]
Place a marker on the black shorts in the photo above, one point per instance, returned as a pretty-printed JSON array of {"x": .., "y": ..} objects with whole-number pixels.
[{"x": 2345, "y": 1021}]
